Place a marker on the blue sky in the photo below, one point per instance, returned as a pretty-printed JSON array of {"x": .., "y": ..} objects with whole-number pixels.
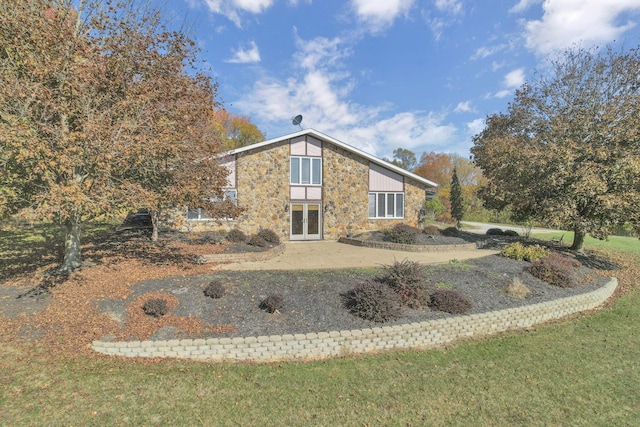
[{"x": 383, "y": 74}]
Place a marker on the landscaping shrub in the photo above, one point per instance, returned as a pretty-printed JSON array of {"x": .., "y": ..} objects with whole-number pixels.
[
  {"x": 431, "y": 230},
  {"x": 449, "y": 301},
  {"x": 511, "y": 233},
  {"x": 402, "y": 233},
  {"x": 155, "y": 307},
  {"x": 517, "y": 289},
  {"x": 556, "y": 270},
  {"x": 372, "y": 300},
  {"x": 256, "y": 240},
  {"x": 450, "y": 232},
  {"x": 406, "y": 278},
  {"x": 495, "y": 232},
  {"x": 269, "y": 236},
  {"x": 215, "y": 290},
  {"x": 272, "y": 303},
  {"x": 236, "y": 236},
  {"x": 520, "y": 252}
]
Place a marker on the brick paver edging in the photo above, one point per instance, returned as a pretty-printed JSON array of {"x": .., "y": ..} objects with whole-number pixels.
[
  {"x": 242, "y": 257},
  {"x": 327, "y": 344},
  {"x": 408, "y": 248}
]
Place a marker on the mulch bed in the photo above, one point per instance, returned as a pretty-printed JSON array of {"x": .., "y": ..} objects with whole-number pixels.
[{"x": 104, "y": 299}]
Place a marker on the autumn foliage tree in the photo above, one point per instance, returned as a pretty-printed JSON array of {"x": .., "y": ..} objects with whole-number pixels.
[
  {"x": 235, "y": 130},
  {"x": 567, "y": 151},
  {"x": 100, "y": 110},
  {"x": 439, "y": 167}
]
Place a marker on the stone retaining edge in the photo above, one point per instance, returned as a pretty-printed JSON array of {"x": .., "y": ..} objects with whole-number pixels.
[
  {"x": 243, "y": 257},
  {"x": 407, "y": 248},
  {"x": 321, "y": 345}
]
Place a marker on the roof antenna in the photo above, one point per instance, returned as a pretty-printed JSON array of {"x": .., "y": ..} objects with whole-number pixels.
[{"x": 297, "y": 120}]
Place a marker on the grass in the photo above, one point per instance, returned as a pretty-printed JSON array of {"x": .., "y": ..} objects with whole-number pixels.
[
  {"x": 581, "y": 372},
  {"x": 629, "y": 245}
]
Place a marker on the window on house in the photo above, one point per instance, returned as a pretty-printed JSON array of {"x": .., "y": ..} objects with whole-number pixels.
[
  {"x": 306, "y": 170},
  {"x": 386, "y": 205},
  {"x": 201, "y": 214}
]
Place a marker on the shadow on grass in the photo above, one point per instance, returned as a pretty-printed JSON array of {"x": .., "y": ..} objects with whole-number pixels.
[{"x": 25, "y": 248}]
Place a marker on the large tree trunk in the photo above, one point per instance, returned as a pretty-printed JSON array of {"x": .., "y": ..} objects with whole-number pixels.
[
  {"x": 155, "y": 220},
  {"x": 72, "y": 250},
  {"x": 578, "y": 239}
]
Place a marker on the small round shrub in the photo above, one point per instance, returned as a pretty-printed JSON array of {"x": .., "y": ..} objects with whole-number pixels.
[
  {"x": 375, "y": 301},
  {"x": 215, "y": 290},
  {"x": 155, "y": 307},
  {"x": 407, "y": 279},
  {"x": 256, "y": 240},
  {"x": 236, "y": 236},
  {"x": 556, "y": 270},
  {"x": 450, "y": 232},
  {"x": 402, "y": 233},
  {"x": 449, "y": 301},
  {"x": 518, "y": 289},
  {"x": 510, "y": 233},
  {"x": 272, "y": 303},
  {"x": 520, "y": 252},
  {"x": 431, "y": 230},
  {"x": 269, "y": 236},
  {"x": 495, "y": 232}
]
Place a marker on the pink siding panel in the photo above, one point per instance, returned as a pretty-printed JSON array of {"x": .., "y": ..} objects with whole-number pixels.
[
  {"x": 299, "y": 146},
  {"x": 298, "y": 193},
  {"x": 314, "y": 193},
  {"x": 229, "y": 162},
  {"x": 314, "y": 147},
  {"x": 381, "y": 179}
]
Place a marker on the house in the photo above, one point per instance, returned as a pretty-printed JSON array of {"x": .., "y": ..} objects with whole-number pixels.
[{"x": 310, "y": 186}]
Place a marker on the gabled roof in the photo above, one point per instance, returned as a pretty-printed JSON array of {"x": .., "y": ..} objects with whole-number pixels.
[{"x": 327, "y": 138}]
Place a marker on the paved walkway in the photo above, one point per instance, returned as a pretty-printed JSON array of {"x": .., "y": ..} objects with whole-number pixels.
[{"x": 331, "y": 254}]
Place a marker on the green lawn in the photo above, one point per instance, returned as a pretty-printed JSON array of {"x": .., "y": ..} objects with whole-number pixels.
[
  {"x": 613, "y": 243},
  {"x": 580, "y": 372}
]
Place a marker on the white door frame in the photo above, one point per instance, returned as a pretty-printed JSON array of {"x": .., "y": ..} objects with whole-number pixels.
[{"x": 304, "y": 233}]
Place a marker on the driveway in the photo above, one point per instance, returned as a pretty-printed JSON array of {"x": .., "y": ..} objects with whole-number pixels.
[{"x": 331, "y": 254}]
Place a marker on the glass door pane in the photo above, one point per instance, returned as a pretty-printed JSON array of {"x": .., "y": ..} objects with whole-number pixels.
[
  {"x": 313, "y": 219},
  {"x": 297, "y": 220}
]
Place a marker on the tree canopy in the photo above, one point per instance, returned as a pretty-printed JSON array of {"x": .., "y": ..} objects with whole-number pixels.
[
  {"x": 567, "y": 151},
  {"x": 235, "y": 130},
  {"x": 101, "y": 108}
]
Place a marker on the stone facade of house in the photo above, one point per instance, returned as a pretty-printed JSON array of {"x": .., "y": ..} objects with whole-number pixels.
[{"x": 262, "y": 181}]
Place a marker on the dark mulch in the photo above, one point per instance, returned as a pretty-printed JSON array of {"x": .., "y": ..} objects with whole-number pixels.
[
  {"x": 313, "y": 300},
  {"x": 425, "y": 239}
]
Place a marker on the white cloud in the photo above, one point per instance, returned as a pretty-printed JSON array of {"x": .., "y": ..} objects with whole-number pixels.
[
  {"x": 380, "y": 14},
  {"x": 320, "y": 52},
  {"x": 438, "y": 24},
  {"x": 320, "y": 90},
  {"x": 476, "y": 126},
  {"x": 232, "y": 9},
  {"x": 484, "y": 51},
  {"x": 512, "y": 80},
  {"x": 464, "y": 107},
  {"x": 453, "y": 7},
  {"x": 523, "y": 5},
  {"x": 568, "y": 22},
  {"x": 246, "y": 56}
]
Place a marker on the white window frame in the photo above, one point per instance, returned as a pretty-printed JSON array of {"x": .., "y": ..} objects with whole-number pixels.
[
  {"x": 314, "y": 171},
  {"x": 379, "y": 205},
  {"x": 200, "y": 212}
]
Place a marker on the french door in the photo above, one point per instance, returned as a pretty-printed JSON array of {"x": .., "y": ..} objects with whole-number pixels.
[{"x": 306, "y": 221}]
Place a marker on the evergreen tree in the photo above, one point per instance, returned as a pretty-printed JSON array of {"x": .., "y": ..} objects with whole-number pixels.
[{"x": 457, "y": 202}]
